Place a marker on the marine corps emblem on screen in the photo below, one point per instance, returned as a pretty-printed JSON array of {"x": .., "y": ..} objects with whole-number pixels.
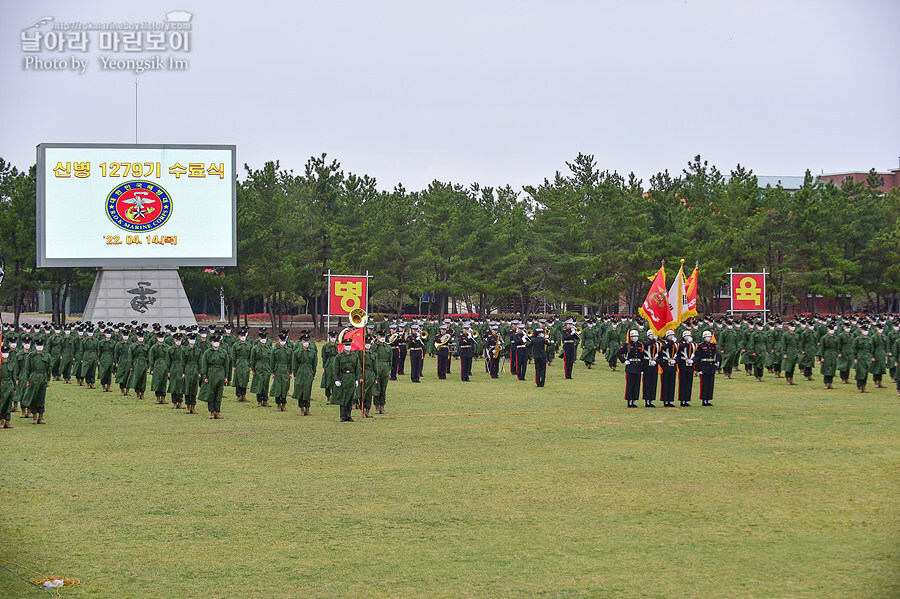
[{"x": 139, "y": 206}]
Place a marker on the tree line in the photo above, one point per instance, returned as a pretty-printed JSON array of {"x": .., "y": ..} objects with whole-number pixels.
[{"x": 586, "y": 237}]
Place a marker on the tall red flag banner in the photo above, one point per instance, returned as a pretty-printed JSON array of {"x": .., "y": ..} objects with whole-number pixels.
[
  {"x": 690, "y": 288},
  {"x": 655, "y": 308},
  {"x": 346, "y": 293},
  {"x": 748, "y": 291}
]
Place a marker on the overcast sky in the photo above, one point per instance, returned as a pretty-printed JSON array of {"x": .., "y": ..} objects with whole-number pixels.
[{"x": 494, "y": 92}]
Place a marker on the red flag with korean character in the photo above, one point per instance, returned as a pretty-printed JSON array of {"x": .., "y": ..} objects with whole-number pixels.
[{"x": 655, "y": 308}]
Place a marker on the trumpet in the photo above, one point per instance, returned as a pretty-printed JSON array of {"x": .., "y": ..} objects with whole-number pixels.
[{"x": 423, "y": 335}]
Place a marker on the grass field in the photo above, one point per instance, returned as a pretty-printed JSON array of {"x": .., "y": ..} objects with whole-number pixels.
[{"x": 481, "y": 489}]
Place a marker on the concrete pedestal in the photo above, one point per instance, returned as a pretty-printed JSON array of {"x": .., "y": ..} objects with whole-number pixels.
[{"x": 141, "y": 294}]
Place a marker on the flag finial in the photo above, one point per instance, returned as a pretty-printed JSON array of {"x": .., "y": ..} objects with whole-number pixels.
[{"x": 682, "y": 260}]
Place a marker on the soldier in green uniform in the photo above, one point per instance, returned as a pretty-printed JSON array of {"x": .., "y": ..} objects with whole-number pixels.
[
  {"x": 240, "y": 357},
  {"x": 879, "y": 353},
  {"x": 215, "y": 364},
  {"x": 78, "y": 365},
  {"x": 192, "y": 356},
  {"x": 123, "y": 363},
  {"x": 809, "y": 344},
  {"x": 303, "y": 369},
  {"x": 7, "y": 388},
  {"x": 159, "y": 368},
  {"x": 863, "y": 357},
  {"x": 845, "y": 353},
  {"x": 260, "y": 368},
  {"x": 37, "y": 375},
  {"x": 383, "y": 353},
  {"x": 728, "y": 345},
  {"x": 106, "y": 359},
  {"x": 137, "y": 356},
  {"x": 896, "y": 362},
  {"x": 367, "y": 375},
  {"x": 829, "y": 346},
  {"x": 589, "y": 342},
  {"x": 776, "y": 341},
  {"x": 328, "y": 352},
  {"x": 760, "y": 345},
  {"x": 790, "y": 341},
  {"x": 280, "y": 367},
  {"x": 89, "y": 359},
  {"x": 54, "y": 348},
  {"x": 611, "y": 345},
  {"x": 176, "y": 372},
  {"x": 20, "y": 355},
  {"x": 344, "y": 373},
  {"x": 67, "y": 355}
]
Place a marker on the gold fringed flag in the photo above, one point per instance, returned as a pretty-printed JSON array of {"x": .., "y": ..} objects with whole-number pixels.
[
  {"x": 690, "y": 289},
  {"x": 677, "y": 300},
  {"x": 655, "y": 308}
]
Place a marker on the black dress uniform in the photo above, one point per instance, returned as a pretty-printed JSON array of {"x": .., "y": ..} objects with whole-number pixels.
[
  {"x": 520, "y": 346},
  {"x": 443, "y": 356},
  {"x": 401, "y": 361},
  {"x": 491, "y": 346},
  {"x": 632, "y": 354},
  {"x": 541, "y": 348},
  {"x": 686, "y": 355},
  {"x": 570, "y": 342},
  {"x": 466, "y": 347},
  {"x": 395, "y": 352},
  {"x": 416, "y": 348},
  {"x": 708, "y": 362},
  {"x": 667, "y": 358},
  {"x": 650, "y": 370}
]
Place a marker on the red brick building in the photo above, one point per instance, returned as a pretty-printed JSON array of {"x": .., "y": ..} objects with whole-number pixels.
[{"x": 889, "y": 180}]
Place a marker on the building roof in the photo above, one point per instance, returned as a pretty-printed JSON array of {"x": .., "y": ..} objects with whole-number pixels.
[{"x": 790, "y": 183}]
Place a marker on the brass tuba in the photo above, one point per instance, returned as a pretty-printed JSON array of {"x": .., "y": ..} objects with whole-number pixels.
[{"x": 358, "y": 317}]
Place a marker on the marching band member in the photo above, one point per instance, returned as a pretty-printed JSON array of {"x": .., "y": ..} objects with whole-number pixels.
[
  {"x": 542, "y": 349},
  {"x": 570, "y": 342},
  {"x": 466, "y": 345},
  {"x": 416, "y": 348}
]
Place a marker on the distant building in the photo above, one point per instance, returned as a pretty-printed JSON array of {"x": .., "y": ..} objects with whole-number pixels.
[
  {"x": 888, "y": 180},
  {"x": 790, "y": 184}
]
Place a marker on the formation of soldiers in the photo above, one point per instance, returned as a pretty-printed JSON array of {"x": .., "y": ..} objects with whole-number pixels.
[{"x": 200, "y": 362}]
